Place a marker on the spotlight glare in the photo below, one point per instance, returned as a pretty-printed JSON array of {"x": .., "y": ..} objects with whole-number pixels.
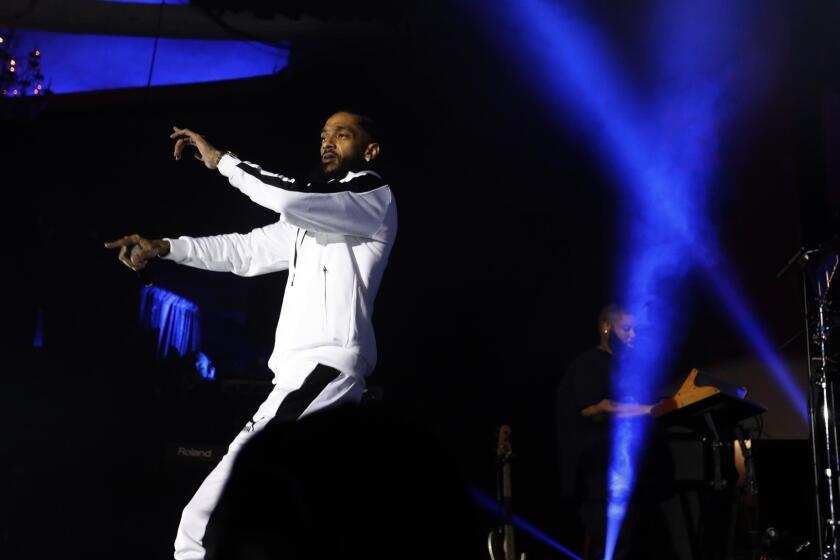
[{"x": 662, "y": 155}]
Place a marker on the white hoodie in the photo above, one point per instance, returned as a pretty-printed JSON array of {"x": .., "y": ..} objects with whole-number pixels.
[{"x": 334, "y": 238}]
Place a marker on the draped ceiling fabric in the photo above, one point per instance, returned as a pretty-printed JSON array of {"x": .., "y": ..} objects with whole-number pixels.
[{"x": 174, "y": 318}]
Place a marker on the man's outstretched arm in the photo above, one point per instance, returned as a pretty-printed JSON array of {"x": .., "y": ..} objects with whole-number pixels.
[
  {"x": 259, "y": 251},
  {"x": 357, "y": 206}
]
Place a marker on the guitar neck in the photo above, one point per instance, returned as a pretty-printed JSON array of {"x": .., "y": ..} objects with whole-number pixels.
[
  {"x": 510, "y": 547},
  {"x": 504, "y": 550},
  {"x": 507, "y": 504}
]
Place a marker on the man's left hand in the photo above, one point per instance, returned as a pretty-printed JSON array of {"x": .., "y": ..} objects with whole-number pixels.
[{"x": 206, "y": 153}]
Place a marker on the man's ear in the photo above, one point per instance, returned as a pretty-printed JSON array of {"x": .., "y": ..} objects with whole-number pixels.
[{"x": 371, "y": 151}]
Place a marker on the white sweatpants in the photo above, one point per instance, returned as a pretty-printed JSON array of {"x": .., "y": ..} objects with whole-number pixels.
[{"x": 321, "y": 388}]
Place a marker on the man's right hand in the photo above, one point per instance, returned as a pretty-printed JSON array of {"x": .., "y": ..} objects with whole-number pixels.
[
  {"x": 136, "y": 251},
  {"x": 614, "y": 408},
  {"x": 205, "y": 153}
]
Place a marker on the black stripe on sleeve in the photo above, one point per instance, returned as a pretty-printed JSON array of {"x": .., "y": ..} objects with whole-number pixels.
[
  {"x": 359, "y": 184},
  {"x": 362, "y": 183},
  {"x": 279, "y": 181}
]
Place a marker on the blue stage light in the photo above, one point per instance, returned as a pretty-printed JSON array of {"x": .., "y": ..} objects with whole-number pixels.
[
  {"x": 38, "y": 337},
  {"x": 73, "y": 63},
  {"x": 205, "y": 367},
  {"x": 167, "y": 2},
  {"x": 662, "y": 154},
  {"x": 492, "y": 506},
  {"x": 744, "y": 321},
  {"x": 173, "y": 317}
]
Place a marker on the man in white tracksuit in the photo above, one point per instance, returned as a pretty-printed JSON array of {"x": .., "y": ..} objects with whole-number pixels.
[{"x": 334, "y": 236}]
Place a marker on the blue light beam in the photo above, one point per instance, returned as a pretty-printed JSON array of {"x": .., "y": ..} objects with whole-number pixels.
[
  {"x": 663, "y": 157},
  {"x": 492, "y": 506},
  {"x": 38, "y": 337}
]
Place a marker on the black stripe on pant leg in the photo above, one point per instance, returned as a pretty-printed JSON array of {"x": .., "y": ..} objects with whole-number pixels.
[{"x": 296, "y": 402}]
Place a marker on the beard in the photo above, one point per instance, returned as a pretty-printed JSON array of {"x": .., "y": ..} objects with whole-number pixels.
[
  {"x": 618, "y": 347},
  {"x": 321, "y": 175}
]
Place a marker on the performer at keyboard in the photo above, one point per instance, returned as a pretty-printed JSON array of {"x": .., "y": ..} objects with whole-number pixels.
[{"x": 585, "y": 404}]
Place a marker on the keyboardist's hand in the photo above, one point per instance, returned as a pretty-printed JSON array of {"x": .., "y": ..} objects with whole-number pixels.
[{"x": 615, "y": 408}]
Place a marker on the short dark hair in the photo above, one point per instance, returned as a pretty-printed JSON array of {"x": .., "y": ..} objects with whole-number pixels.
[
  {"x": 367, "y": 124},
  {"x": 609, "y": 313}
]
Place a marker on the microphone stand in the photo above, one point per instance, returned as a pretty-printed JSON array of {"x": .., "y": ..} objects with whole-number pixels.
[{"x": 821, "y": 318}]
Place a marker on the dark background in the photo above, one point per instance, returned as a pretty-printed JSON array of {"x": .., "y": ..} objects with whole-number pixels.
[{"x": 504, "y": 256}]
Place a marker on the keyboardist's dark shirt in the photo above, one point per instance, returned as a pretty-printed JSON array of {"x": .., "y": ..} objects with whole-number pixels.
[{"x": 584, "y": 443}]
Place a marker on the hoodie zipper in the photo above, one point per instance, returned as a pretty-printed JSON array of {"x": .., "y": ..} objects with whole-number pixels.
[{"x": 325, "y": 295}]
